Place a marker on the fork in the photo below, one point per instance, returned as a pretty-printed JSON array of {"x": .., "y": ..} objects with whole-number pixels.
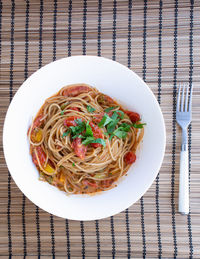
[{"x": 183, "y": 118}]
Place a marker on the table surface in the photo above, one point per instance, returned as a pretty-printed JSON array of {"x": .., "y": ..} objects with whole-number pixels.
[{"x": 159, "y": 40}]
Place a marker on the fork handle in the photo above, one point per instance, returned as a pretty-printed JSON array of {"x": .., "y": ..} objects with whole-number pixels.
[{"x": 184, "y": 182}]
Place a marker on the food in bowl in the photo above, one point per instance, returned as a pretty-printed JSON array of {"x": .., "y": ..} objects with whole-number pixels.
[{"x": 82, "y": 141}]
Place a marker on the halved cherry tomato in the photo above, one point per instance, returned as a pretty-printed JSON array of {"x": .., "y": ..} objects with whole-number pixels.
[
  {"x": 92, "y": 184},
  {"x": 79, "y": 148},
  {"x": 70, "y": 121},
  {"x": 97, "y": 133},
  {"x": 76, "y": 90},
  {"x": 37, "y": 122},
  {"x": 129, "y": 158},
  {"x": 134, "y": 116},
  {"x": 41, "y": 156}
]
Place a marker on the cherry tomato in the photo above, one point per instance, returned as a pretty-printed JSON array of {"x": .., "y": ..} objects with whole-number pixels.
[
  {"x": 97, "y": 133},
  {"x": 70, "y": 121},
  {"x": 134, "y": 116},
  {"x": 92, "y": 184},
  {"x": 37, "y": 122},
  {"x": 41, "y": 156},
  {"x": 79, "y": 148},
  {"x": 76, "y": 90},
  {"x": 129, "y": 158}
]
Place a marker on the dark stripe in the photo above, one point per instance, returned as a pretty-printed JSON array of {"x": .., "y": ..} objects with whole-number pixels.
[
  {"x": 144, "y": 78},
  {"x": 52, "y": 236},
  {"x": 129, "y": 31},
  {"x": 174, "y": 129},
  {"x": 68, "y": 239},
  {"x": 113, "y": 236},
  {"x": 114, "y": 28},
  {"x": 84, "y": 26},
  {"x": 69, "y": 27},
  {"x": 82, "y": 239},
  {"x": 159, "y": 101},
  {"x": 10, "y": 95},
  {"x": 128, "y": 235},
  {"x": 25, "y": 76},
  {"x": 190, "y": 127},
  {"x": 99, "y": 27},
  {"x": 98, "y": 239},
  {"x": 129, "y": 65},
  {"x": 54, "y": 29}
]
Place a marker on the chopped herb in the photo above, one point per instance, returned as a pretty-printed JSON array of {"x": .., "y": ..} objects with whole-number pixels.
[
  {"x": 90, "y": 109},
  {"x": 62, "y": 113},
  {"x": 88, "y": 132},
  {"x": 111, "y": 136},
  {"x": 105, "y": 120},
  {"x": 122, "y": 114},
  {"x": 114, "y": 116},
  {"x": 126, "y": 127},
  {"x": 120, "y": 133},
  {"x": 66, "y": 133},
  {"x": 63, "y": 106},
  {"x": 110, "y": 108},
  {"x": 111, "y": 126},
  {"x": 73, "y": 164},
  {"x": 139, "y": 126},
  {"x": 90, "y": 140},
  {"x": 106, "y": 133}
]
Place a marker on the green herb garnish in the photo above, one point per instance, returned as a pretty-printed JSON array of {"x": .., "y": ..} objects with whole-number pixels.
[
  {"x": 110, "y": 109},
  {"x": 90, "y": 140},
  {"x": 139, "y": 126},
  {"x": 66, "y": 133},
  {"x": 88, "y": 132},
  {"x": 73, "y": 164},
  {"x": 105, "y": 120},
  {"x": 90, "y": 109},
  {"x": 63, "y": 106},
  {"x": 62, "y": 113}
]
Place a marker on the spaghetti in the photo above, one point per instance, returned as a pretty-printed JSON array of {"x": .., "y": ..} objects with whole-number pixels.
[{"x": 83, "y": 141}]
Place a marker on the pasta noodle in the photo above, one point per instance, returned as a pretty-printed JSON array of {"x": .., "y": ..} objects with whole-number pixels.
[{"x": 83, "y": 141}]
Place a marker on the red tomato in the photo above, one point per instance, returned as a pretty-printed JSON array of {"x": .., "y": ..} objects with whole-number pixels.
[
  {"x": 92, "y": 184},
  {"x": 129, "y": 158},
  {"x": 70, "y": 121},
  {"x": 76, "y": 90},
  {"x": 41, "y": 156},
  {"x": 134, "y": 116},
  {"x": 37, "y": 122},
  {"x": 79, "y": 148},
  {"x": 97, "y": 133},
  {"x": 75, "y": 109},
  {"x": 105, "y": 99},
  {"x": 98, "y": 117}
]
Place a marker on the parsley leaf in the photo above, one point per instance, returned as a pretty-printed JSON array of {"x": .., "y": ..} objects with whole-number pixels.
[
  {"x": 90, "y": 109},
  {"x": 111, "y": 126},
  {"x": 120, "y": 133},
  {"x": 105, "y": 120},
  {"x": 73, "y": 164},
  {"x": 110, "y": 108},
  {"x": 88, "y": 132},
  {"x": 121, "y": 113},
  {"x": 139, "y": 126},
  {"x": 62, "y": 113},
  {"x": 66, "y": 133},
  {"x": 90, "y": 140}
]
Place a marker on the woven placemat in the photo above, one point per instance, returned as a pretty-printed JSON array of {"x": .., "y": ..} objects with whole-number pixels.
[{"x": 159, "y": 40}]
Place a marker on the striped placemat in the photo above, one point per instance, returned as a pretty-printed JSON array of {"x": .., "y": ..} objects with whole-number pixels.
[{"x": 159, "y": 40}]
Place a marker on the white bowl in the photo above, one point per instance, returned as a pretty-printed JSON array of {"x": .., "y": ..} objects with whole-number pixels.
[{"x": 112, "y": 79}]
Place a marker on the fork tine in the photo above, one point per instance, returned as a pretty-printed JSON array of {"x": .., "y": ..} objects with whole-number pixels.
[
  {"x": 182, "y": 98},
  {"x": 178, "y": 98},
  {"x": 190, "y": 99},
  {"x": 186, "y": 98}
]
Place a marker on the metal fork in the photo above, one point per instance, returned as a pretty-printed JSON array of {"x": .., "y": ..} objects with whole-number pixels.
[{"x": 183, "y": 118}]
